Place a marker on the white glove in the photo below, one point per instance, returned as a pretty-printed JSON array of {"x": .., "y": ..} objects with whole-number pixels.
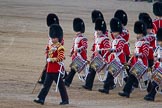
[
  {"x": 53, "y": 48},
  {"x": 49, "y": 60}
]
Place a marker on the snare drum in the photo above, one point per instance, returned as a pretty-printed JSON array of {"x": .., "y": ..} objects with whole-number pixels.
[
  {"x": 78, "y": 64},
  {"x": 115, "y": 67},
  {"x": 97, "y": 64},
  {"x": 157, "y": 75},
  {"x": 138, "y": 69}
]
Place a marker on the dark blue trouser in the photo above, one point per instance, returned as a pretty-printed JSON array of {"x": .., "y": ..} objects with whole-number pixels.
[
  {"x": 70, "y": 76},
  {"x": 90, "y": 78},
  {"x": 128, "y": 86},
  {"x": 108, "y": 82},
  {"x": 152, "y": 92},
  {"x": 50, "y": 77}
]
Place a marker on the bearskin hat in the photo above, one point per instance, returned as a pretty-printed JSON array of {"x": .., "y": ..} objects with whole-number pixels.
[
  {"x": 100, "y": 24},
  {"x": 52, "y": 19},
  {"x": 159, "y": 34},
  {"x": 157, "y": 8},
  {"x": 56, "y": 32},
  {"x": 140, "y": 27},
  {"x": 146, "y": 19},
  {"x": 78, "y": 25},
  {"x": 115, "y": 25},
  {"x": 122, "y": 16},
  {"x": 96, "y": 14}
]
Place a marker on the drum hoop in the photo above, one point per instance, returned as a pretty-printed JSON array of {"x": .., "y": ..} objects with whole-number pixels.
[
  {"x": 83, "y": 62},
  {"x": 158, "y": 70},
  {"x": 101, "y": 67},
  {"x": 120, "y": 67},
  {"x": 143, "y": 70}
]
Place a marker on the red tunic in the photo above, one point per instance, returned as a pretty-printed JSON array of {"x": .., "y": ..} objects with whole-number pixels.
[
  {"x": 151, "y": 39},
  {"x": 117, "y": 48},
  {"x": 141, "y": 48},
  {"x": 124, "y": 35},
  {"x": 102, "y": 43},
  {"x": 58, "y": 55},
  {"x": 157, "y": 23},
  {"x": 80, "y": 42}
]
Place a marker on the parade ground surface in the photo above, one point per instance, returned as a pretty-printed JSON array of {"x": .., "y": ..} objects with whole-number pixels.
[{"x": 23, "y": 38}]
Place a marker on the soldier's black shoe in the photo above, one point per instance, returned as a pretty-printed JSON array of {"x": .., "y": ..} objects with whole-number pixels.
[
  {"x": 64, "y": 102},
  {"x": 123, "y": 94},
  {"x": 112, "y": 87},
  {"x": 40, "y": 82},
  {"x": 67, "y": 84},
  {"x": 39, "y": 101},
  {"x": 103, "y": 91},
  {"x": 148, "y": 98},
  {"x": 87, "y": 88}
]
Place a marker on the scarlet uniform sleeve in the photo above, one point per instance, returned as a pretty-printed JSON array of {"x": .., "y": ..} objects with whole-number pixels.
[
  {"x": 60, "y": 56},
  {"x": 84, "y": 43},
  {"x": 120, "y": 46},
  {"x": 145, "y": 49},
  {"x": 106, "y": 44}
]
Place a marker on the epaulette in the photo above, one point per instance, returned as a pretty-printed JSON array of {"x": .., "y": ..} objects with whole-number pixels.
[{"x": 61, "y": 48}]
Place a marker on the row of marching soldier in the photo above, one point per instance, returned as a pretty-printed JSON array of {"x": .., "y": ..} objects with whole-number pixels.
[{"x": 111, "y": 57}]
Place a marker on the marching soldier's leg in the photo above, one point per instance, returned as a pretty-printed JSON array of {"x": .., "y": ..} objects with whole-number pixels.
[
  {"x": 90, "y": 79},
  {"x": 151, "y": 95},
  {"x": 107, "y": 83},
  {"x": 151, "y": 63},
  {"x": 69, "y": 77},
  {"x": 62, "y": 90},
  {"x": 128, "y": 86},
  {"x": 44, "y": 91}
]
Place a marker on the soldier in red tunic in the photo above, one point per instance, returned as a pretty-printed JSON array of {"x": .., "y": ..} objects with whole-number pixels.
[
  {"x": 55, "y": 56},
  {"x": 116, "y": 50},
  {"x": 150, "y": 37},
  {"x": 101, "y": 43},
  {"x": 141, "y": 53},
  {"x": 51, "y": 19},
  {"x": 157, "y": 54},
  {"x": 122, "y": 16},
  {"x": 157, "y": 22},
  {"x": 79, "y": 47}
]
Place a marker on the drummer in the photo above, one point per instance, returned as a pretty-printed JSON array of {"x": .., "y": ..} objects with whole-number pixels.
[
  {"x": 79, "y": 47},
  {"x": 101, "y": 43},
  {"x": 157, "y": 54},
  {"x": 116, "y": 51},
  {"x": 141, "y": 53}
]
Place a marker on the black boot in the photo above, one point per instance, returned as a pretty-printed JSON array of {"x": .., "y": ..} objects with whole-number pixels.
[
  {"x": 148, "y": 98},
  {"x": 124, "y": 94},
  {"x": 39, "y": 101},
  {"x": 64, "y": 102},
  {"x": 128, "y": 86},
  {"x": 152, "y": 93},
  {"x": 104, "y": 91}
]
